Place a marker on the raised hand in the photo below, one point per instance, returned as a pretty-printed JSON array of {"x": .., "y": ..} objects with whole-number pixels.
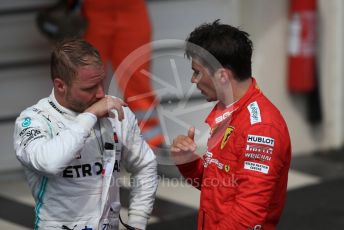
[
  {"x": 183, "y": 148},
  {"x": 103, "y": 107}
]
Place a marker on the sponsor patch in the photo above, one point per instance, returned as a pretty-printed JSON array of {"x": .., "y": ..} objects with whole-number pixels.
[
  {"x": 227, "y": 168},
  {"x": 115, "y": 137},
  {"x": 257, "y": 156},
  {"x": 87, "y": 170},
  {"x": 222, "y": 117},
  {"x": 30, "y": 132},
  {"x": 65, "y": 227},
  {"x": 253, "y": 166},
  {"x": 259, "y": 148},
  {"x": 38, "y": 111},
  {"x": 108, "y": 146},
  {"x": 28, "y": 135},
  {"x": 24, "y": 131},
  {"x": 261, "y": 140},
  {"x": 208, "y": 160},
  {"x": 26, "y": 122},
  {"x": 226, "y": 136},
  {"x": 254, "y": 110}
]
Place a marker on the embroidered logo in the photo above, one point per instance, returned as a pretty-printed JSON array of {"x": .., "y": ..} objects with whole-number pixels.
[
  {"x": 255, "y": 139},
  {"x": 254, "y": 110},
  {"x": 26, "y": 122},
  {"x": 227, "y": 168},
  {"x": 115, "y": 137},
  {"x": 226, "y": 136},
  {"x": 253, "y": 166}
]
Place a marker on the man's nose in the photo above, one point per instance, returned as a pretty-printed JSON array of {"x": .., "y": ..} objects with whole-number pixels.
[
  {"x": 194, "y": 79},
  {"x": 100, "y": 91}
]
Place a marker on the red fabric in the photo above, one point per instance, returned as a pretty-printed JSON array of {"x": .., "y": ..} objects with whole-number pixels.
[{"x": 233, "y": 197}]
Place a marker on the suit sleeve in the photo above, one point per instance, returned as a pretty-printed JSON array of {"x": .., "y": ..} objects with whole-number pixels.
[
  {"x": 39, "y": 149},
  {"x": 140, "y": 161},
  {"x": 193, "y": 172},
  {"x": 260, "y": 166}
]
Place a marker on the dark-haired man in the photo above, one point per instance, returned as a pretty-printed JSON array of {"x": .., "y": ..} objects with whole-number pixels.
[
  {"x": 243, "y": 175},
  {"x": 71, "y": 145}
]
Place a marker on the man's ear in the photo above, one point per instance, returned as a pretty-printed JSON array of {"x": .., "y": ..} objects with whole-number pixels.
[
  {"x": 224, "y": 75},
  {"x": 60, "y": 85}
]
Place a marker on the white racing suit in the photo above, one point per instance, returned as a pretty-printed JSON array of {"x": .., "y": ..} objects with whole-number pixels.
[{"x": 72, "y": 163}]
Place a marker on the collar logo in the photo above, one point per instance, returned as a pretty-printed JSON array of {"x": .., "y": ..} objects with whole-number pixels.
[
  {"x": 226, "y": 136},
  {"x": 55, "y": 107},
  {"x": 222, "y": 117}
]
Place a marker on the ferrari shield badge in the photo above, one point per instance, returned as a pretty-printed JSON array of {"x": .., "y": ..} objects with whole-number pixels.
[
  {"x": 227, "y": 168},
  {"x": 226, "y": 136}
]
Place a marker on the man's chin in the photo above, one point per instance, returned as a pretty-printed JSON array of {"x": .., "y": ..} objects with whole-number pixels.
[
  {"x": 210, "y": 99},
  {"x": 78, "y": 108}
]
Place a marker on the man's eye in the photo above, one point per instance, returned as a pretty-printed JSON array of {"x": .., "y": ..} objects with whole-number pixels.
[
  {"x": 90, "y": 88},
  {"x": 197, "y": 74}
]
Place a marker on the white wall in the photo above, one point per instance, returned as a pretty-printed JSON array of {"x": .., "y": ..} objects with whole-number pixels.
[{"x": 332, "y": 70}]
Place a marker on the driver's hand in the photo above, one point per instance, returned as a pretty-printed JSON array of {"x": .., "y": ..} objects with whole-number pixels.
[{"x": 103, "y": 107}]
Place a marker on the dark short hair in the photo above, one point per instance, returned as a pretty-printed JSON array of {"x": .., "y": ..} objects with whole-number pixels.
[
  {"x": 230, "y": 46},
  {"x": 69, "y": 55}
]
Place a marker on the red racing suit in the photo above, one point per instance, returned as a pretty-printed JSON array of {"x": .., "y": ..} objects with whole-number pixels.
[{"x": 243, "y": 176}]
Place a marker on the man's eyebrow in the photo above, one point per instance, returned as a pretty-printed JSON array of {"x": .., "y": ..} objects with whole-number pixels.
[{"x": 89, "y": 85}]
